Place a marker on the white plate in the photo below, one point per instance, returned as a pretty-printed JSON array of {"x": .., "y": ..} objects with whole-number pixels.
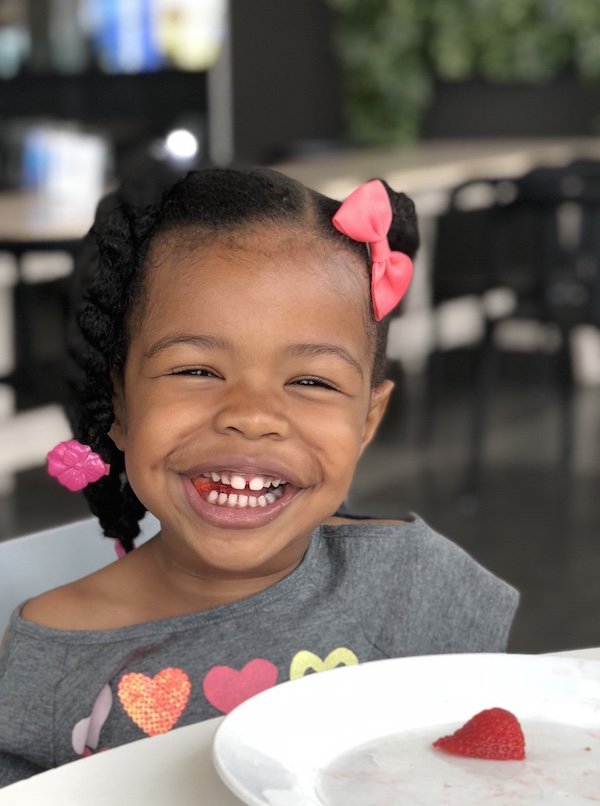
[{"x": 287, "y": 746}]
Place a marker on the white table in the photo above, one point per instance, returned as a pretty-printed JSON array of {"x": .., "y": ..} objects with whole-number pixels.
[
  {"x": 174, "y": 769},
  {"x": 169, "y": 770}
]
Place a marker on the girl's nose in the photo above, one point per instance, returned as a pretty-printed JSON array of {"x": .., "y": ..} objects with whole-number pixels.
[{"x": 252, "y": 413}]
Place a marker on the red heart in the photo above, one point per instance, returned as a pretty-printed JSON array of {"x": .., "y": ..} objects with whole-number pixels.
[
  {"x": 225, "y": 687},
  {"x": 155, "y": 703}
]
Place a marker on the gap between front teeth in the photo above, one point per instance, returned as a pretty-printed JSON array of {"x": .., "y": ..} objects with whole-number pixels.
[{"x": 238, "y": 482}]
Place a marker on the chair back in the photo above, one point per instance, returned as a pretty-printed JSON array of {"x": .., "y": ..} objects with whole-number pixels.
[
  {"x": 565, "y": 204},
  {"x": 35, "y": 563},
  {"x": 537, "y": 235}
]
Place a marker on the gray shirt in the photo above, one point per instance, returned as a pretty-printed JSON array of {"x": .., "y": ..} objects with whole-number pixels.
[{"x": 363, "y": 592}]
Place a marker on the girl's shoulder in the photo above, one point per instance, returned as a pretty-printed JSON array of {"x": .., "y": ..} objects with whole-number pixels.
[
  {"x": 95, "y": 602},
  {"x": 66, "y": 608}
]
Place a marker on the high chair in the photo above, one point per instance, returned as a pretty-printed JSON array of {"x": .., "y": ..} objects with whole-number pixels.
[{"x": 35, "y": 563}]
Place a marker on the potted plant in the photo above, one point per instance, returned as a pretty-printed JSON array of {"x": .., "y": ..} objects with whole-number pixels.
[{"x": 396, "y": 54}]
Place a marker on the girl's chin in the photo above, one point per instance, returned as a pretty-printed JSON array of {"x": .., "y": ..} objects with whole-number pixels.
[{"x": 225, "y": 516}]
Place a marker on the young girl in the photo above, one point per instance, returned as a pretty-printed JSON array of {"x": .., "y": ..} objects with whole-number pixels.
[{"x": 232, "y": 353}]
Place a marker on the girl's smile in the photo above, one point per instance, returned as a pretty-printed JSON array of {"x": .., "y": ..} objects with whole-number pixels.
[
  {"x": 246, "y": 398},
  {"x": 246, "y": 497},
  {"x": 221, "y": 506}
]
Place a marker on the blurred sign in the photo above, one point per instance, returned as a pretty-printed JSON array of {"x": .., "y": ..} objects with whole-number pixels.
[
  {"x": 64, "y": 164},
  {"x": 14, "y": 37},
  {"x": 120, "y": 36},
  {"x": 190, "y": 33},
  {"x": 133, "y": 36}
]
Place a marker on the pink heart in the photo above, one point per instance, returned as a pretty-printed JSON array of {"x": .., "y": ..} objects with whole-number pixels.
[{"x": 225, "y": 687}]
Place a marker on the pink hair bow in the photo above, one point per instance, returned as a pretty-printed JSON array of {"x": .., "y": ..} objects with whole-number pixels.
[{"x": 366, "y": 216}]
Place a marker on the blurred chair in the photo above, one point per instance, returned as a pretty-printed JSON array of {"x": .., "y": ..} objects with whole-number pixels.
[
  {"x": 464, "y": 290},
  {"x": 43, "y": 263},
  {"x": 539, "y": 242},
  {"x": 39, "y": 562}
]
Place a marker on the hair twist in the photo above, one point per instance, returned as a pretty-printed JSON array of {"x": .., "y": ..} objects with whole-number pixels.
[{"x": 105, "y": 281}]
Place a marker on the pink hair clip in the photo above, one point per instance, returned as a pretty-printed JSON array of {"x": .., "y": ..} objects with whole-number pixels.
[
  {"x": 366, "y": 216},
  {"x": 120, "y": 549},
  {"x": 76, "y": 465}
]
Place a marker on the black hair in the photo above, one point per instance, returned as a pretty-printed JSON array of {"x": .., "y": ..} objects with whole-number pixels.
[{"x": 109, "y": 288}]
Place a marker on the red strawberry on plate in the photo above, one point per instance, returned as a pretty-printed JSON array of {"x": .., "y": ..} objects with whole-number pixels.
[{"x": 492, "y": 734}]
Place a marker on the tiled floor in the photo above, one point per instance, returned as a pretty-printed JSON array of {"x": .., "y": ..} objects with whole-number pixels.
[{"x": 533, "y": 524}]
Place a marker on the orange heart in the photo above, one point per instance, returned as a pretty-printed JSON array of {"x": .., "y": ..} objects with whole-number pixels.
[{"x": 155, "y": 703}]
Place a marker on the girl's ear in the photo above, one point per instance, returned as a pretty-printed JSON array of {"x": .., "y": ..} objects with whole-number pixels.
[
  {"x": 380, "y": 396},
  {"x": 117, "y": 429}
]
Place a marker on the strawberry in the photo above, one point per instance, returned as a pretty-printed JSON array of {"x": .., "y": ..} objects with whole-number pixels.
[{"x": 492, "y": 734}]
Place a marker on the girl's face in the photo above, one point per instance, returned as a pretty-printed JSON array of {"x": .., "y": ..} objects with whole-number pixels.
[{"x": 246, "y": 398}]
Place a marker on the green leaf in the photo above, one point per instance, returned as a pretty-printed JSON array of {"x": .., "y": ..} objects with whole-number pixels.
[{"x": 391, "y": 52}]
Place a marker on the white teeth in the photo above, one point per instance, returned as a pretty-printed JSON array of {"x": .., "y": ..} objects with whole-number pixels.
[
  {"x": 238, "y": 482},
  {"x": 235, "y": 500}
]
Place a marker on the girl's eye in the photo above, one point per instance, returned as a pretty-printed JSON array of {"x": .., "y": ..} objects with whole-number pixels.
[
  {"x": 316, "y": 383},
  {"x": 196, "y": 372}
]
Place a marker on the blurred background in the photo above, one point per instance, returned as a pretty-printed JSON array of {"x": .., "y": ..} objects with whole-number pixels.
[{"x": 486, "y": 112}]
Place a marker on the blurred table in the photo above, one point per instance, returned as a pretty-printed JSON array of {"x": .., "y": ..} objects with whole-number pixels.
[
  {"x": 430, "y": 168},
  {"x": 174, "y": 769},
  {"x": 31, "y": 217}
]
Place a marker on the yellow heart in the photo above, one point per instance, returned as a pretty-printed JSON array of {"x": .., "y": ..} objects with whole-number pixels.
[{"x": 305, "y": 660}]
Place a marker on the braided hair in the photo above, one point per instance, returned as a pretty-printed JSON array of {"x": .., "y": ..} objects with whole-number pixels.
[{"x": 108, "y": 292}]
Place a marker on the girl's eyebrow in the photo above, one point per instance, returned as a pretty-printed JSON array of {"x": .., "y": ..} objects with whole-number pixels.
[
  {"x": 212, "y": 342},
  {"x": 326, "y": 349},
  {"x": 218, "y": 343}
]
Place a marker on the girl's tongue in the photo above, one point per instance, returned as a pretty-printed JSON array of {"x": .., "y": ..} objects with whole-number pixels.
[{"x": 222, "y": 493}]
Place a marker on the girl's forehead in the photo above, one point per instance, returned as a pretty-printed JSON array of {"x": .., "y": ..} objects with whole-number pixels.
[
  {"x": 250, "y": 256},
  {"x": 274, "y": 272}
]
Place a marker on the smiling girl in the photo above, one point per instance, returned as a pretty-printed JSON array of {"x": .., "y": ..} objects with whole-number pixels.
[{"x": 232, "y": 353}]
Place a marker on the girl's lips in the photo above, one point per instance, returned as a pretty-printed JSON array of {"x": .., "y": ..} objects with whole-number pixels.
[{"x": 235, "y": 517}]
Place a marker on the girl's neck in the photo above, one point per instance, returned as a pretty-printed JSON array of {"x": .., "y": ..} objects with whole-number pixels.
[
  {"x": 169, "y": 586},
  {"x": 178, "y": 589}
]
